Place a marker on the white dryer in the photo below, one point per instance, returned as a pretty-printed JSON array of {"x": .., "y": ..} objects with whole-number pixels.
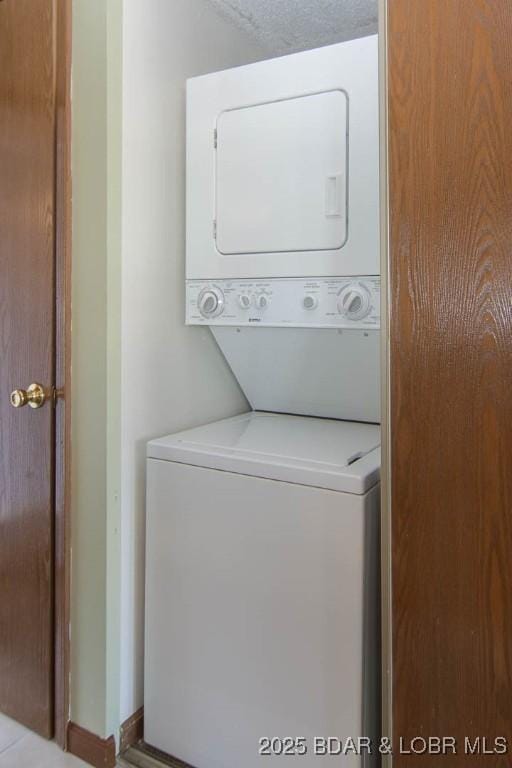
[
  {"x": 283, "y": 258},
  {"x": 283, "y": 168},
  {"x": 262, "y": 590}
]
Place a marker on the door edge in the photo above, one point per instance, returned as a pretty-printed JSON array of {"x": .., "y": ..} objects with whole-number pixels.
[{"x": 62, "y": 546}]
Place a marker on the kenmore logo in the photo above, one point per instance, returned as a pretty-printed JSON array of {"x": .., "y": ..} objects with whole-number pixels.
[{"x": 255, "y": 319}]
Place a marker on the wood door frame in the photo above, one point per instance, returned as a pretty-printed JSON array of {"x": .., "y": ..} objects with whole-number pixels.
[
  {"x": 62, "y": 499},
  {"x": 386, "y": 604},
  {"x": 450, "y": 318}
]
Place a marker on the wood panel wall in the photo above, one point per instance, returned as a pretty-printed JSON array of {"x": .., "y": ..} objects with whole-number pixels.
[{"x": 450, "y": 177}]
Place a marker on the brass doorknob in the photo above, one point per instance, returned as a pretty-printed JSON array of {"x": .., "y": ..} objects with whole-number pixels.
[{"x": 35, "y": 396}]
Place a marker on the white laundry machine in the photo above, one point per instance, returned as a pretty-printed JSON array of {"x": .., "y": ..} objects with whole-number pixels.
[
  {"x": 262, "y": 530},
  {"x": 262, "y": 591},
  {"x": 283, "y": 260}
]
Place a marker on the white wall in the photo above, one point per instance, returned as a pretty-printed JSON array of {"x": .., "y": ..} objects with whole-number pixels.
[
  {"x": 96, "y": 363},
  {"x": 172, "y": 377},
  {"x": 89, "y": 355}
]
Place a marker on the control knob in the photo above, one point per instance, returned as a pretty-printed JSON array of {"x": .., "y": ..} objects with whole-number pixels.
[
  {"x": 262, "y": 301},
  {"x": 310, "y": 301},
  {"x": 211, "y": 302},
  {"x": 244, "y": 300},
  {"x": 354, "y": 301}
]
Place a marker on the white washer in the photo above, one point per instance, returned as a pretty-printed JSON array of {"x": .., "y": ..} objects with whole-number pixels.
[{"x": 262, "y": 588}]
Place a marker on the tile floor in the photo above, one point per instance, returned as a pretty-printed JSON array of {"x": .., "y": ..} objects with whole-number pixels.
[{"x": 20, "y": 748}]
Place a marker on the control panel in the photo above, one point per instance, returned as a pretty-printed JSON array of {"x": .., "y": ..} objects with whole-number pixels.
[{"x": 338, "y": 302}]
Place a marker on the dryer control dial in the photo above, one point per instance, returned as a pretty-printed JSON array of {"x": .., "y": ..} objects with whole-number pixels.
[
  {"x": 310, "y": 301},
  {"x": 354, "y": 301},
  {"x": 211, "y": 302},
  {"x": 244, "y": 300},
  {"x": 262, "y": 301}
]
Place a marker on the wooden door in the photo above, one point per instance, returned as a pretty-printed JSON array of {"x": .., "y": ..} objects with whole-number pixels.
[
  {"x": 450, "y": 177},
  {"x": 27, "y": 354}
]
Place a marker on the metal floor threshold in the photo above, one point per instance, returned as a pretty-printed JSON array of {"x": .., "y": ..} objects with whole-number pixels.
[{"x": 142, "y": 756}]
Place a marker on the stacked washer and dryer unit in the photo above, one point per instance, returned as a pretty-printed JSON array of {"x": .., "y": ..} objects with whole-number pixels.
[{"x": 262, "y": 530}]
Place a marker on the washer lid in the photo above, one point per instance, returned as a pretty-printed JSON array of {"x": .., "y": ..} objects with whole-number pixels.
[{"x": 336, "y": 455}]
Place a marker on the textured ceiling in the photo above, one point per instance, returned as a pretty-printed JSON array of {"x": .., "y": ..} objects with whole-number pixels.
[{"x": 285, "y": 26}]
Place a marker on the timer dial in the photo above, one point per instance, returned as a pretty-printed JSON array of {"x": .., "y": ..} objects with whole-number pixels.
[
  {"x": 211, "y": 302},
  {"x": 354, "y": 301}
]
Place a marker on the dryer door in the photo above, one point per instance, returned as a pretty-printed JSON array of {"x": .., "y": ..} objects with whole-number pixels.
[
  {"x": 283, "y": 167},
  {"x": 281, "y": 176}
]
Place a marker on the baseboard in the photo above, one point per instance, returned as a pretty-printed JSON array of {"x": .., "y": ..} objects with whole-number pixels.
[
  {"x": 101, "y": 753},
  {"x": 132, "y": 730}
]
